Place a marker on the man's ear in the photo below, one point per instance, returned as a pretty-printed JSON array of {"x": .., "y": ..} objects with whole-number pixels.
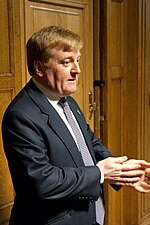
[{"x": 38, "y": 67}]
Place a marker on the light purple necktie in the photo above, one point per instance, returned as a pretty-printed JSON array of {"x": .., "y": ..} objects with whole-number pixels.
[{"x": 86, "y": 156}]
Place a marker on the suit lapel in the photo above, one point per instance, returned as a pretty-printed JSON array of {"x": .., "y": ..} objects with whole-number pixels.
[
  {"x": 62, "y": 131},
  {"x": 55, "y": 122}
]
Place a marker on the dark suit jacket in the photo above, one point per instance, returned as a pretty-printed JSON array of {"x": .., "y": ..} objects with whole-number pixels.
[{"x": 52, "y": 184}]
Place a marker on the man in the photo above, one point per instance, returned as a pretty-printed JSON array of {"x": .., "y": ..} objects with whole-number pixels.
[{"x": 53, "y": 181}]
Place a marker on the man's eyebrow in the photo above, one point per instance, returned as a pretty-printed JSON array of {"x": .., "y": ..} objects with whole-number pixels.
[{"x": 69, "y": 57}]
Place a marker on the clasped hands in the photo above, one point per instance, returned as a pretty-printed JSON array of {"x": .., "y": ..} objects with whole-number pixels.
[{"x": 124, "y": 172}]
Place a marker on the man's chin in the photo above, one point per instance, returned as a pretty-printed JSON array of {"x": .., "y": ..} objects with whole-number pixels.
[{"x": 67, "y": 93}]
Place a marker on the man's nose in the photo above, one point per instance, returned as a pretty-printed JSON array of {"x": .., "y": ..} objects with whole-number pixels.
[{"x": 76, "y": 68}]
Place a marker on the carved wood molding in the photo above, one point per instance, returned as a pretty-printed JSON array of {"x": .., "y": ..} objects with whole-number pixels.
[
  {"x": 54, "y": 10},
  {"x": 118, "y": 1}
]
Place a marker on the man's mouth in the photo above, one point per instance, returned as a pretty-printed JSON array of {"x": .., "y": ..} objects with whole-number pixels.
[{"x": 71, "y": 80}]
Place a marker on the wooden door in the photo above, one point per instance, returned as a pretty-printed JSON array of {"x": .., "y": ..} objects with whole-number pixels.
[
  {"x": 115, "y": 68},
  {"x": 18, "y": 20},
  {"x": 125, "y": 69},
  {"x": 144, "y": 72},
  {"x": 10, "y": 83}
]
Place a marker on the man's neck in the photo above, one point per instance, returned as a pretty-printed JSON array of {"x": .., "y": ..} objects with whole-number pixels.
[{"x": 48, "y": 93}]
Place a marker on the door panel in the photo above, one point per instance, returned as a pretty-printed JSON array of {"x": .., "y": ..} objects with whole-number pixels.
[
  {"x": 7, "y": 90},
  {"x": 113, "y": 107},
  {"x": 127, "y": 100},
  {"x": 145, "y": 106},
  {"x": 18, "y": 20}
]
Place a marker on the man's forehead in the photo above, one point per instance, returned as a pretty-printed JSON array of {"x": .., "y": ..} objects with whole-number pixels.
[{"x": 61, "y": 53}]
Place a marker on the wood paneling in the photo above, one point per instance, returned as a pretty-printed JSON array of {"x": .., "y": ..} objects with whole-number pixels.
[
  {"x": 127, "y": 107},
  {"x": 7, "y": 90},
  {"x": 96, "y": 61},
  {"x": 144, "y": 217},
  {"x": 6, "y": 187},
  {"x": 18, "y": 20},
  {"x": 113, "y": 108},
  {"x": 4, "y": 40}
]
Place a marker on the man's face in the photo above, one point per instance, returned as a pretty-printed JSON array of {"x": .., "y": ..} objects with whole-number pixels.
[{"x": 61, "y": 73}]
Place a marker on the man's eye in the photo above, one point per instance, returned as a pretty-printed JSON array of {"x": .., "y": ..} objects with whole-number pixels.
[{"x": 66, "y": 63}]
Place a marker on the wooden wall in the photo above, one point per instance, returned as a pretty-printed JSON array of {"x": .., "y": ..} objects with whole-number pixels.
[
  {"x": 19, "y": 20},
  {"x": 126, "y": 64},
  {"x": 10, "y": 83}
]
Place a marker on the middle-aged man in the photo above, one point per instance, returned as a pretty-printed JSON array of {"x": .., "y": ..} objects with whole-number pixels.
[{"x": 56, "y": 163}]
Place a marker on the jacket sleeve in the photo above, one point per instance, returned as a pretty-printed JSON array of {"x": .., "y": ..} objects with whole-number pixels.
[{"x": 101, "y": 152}]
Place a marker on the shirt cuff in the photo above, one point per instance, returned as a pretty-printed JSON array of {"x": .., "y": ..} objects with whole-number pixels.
[{"x": 102, "y": 175}]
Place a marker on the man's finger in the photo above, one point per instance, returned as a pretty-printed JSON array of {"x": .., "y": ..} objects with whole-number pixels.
[
  {"x": 133, "y": 166},
  {"x": 132, "y": 173},
  {"x": 123, "y": 180},
  {"x": 120, "y": 159}
]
